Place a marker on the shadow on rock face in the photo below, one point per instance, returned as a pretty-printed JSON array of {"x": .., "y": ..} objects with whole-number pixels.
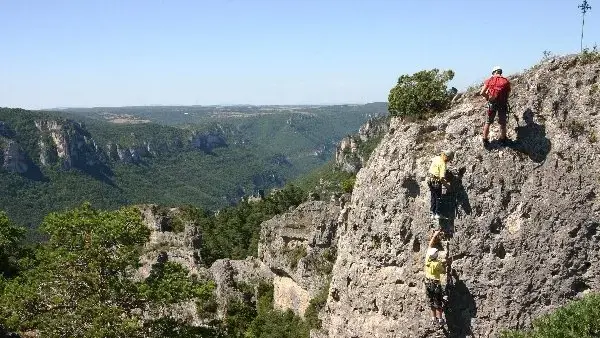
[
  {"x": 412, "y": 187},
  {"x": 454, "y": 200},
  {"x": 461, "y": 308},
  {"x": 531, "y": 138}
]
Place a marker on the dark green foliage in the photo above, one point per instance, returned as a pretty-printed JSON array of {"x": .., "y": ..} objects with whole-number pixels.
[
  {"x": 274, "y": 144},
  {"x": 270, "y": 323},
  {"x": 295, "y": 255},
  {"x": 420, "y": 95},
  {"x": 314, "y": 307},
  {"x": 326, "y": 181},
  {"x": 10, "y": 249},
  {"x": 579, "y": 319},
  {"x": 168, "y": 283},
  {"x": 324, "y": 263},
  {"x": 348, "y": 184},
  {"x": 239, "y": 316},
  {"x": 589, "y": 56},
  {"x": 234, "y": 232},
  {"x": 80, "y": 282}
]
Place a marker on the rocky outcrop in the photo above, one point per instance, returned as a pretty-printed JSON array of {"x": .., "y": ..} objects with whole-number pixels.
[
  {"x": 525, "y": 217},
  {"x": 300, "y": 247},
  {"x": 15, "y": 159},
  {"x": 208, "y": 141},
  {"x": 173, "y": 237},
  {"x": 353, "y": 152},
  {"x": 238, "y": 280},
  {"x": 69, "y": 143}
]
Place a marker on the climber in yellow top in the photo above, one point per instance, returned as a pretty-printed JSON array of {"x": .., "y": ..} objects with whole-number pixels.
[
  {"x": 434, "y": 268},
  {"x": 435, "y": 179}
]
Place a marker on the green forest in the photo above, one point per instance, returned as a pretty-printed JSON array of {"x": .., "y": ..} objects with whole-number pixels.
[
  {"x": 80, "y": 282},
  {"x": 274, "y": 149}
]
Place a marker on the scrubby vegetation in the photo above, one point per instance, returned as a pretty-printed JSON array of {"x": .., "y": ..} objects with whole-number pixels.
[
  {"x": 268, "y": 322},
  {"x": 579, "y": 319},
  {"x": 233, "y": 232},
  {"x": 80, "y": 283},
  {"x": 421, "y": 95}
]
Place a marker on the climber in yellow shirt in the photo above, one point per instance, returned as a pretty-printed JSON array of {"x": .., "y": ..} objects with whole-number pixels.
[
  {"x": 436, "y": 177},
  {"x": 434, "y": 268}
]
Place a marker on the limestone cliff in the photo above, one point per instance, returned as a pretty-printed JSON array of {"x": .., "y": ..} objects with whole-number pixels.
[
  {"x": 353, "y": 151},
  {"x": 525, "y": 217},
  {"x": 299, "y": 247}
]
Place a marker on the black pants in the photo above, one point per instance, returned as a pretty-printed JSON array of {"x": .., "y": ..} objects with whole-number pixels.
[
  {"x": 436, "y": 193},
  {"x": 435, "y": 293}
]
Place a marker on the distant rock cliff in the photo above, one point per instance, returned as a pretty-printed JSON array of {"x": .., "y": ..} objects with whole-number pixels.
[
  {"x": 353, "y": 151},
  {"x": 69, "y": 145}
]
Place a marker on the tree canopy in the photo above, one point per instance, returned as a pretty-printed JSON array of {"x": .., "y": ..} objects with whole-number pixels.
[{"x": 422, "y": 94}]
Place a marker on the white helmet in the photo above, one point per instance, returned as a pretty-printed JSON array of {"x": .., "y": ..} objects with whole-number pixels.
[
  {"x": 432, "y": 253},
  {"x": 496, "y": 68}
]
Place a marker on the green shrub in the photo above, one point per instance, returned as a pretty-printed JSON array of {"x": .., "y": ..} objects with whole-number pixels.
[
  {"x": 589, "y": 56},
  {"x": 271, "y": 323},
  {"x": 593, "y": 137},
  {"x": 547, "y": 55},
  {"x": 311, "y": 315},
  {"x": 348, "y": 184},
  {"x": 579, "y": 319},
  {"x": 295, "y": 255},
  {"x": 420, "y": 95}
]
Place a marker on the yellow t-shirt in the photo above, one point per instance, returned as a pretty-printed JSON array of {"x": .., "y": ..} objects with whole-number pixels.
[
  {"x": 433, "y": 269},
  {"x": 438, "y": 167}
]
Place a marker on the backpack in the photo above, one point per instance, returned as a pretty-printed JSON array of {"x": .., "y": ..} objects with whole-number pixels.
[{"x": 498, "y": 89}]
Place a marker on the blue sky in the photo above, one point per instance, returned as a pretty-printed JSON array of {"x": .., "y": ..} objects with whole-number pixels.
[{"x": 59, "y": 53}]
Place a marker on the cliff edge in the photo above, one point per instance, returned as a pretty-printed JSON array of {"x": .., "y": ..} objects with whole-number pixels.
[{"x": 525, "y": 217}]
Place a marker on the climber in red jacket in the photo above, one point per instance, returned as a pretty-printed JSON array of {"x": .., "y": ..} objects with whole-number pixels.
[{"x": 496, "y": 90}]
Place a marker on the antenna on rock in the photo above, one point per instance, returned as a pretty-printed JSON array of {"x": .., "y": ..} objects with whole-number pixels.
[{"x": 585, "y": 7}]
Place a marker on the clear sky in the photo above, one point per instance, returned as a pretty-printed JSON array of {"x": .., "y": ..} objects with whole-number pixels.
[{"x": 81, "y": 53}]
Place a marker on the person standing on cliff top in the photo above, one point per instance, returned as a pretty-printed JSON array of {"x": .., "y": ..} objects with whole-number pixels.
[
  {"x": 436, "y": 177},
  {"x": 496, "y": 90},
  {"x": 434, "y": 268}
]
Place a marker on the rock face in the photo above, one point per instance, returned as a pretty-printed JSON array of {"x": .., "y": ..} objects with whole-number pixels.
[
  {"x": 71, "y": 144},
  {"x": 172, "y": 237},
  {"x": 208, "y": 141},
  {"x": 299, "y": 247},
  {"x": 353, "y": 151},
  {"x": 234, "y": 277},
  {"x": 15, "y": 159},
  {"x": 525, "y": 217}
]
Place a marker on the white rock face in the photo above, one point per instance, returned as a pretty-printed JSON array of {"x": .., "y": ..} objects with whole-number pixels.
[
  {"x": 287, "y": 294},
  {"x": 525, "y": 217}
]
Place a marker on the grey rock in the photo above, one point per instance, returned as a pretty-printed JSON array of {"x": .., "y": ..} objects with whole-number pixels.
[
  {"x": 236, "y": 278},
  {"x": 172, "y": 238},
  {"x": 299, "y": 247},
  {"x": 525, "y": 217},
  {"x": 349, "y": 156},
  {"x": 15, "y": 159},
  {"x": 208, "y": 141},
  {"x": 69, "y": 143}
]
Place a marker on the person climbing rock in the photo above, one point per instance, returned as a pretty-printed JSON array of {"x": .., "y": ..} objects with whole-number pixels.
[
  {"x": 437, "y": 178},
  {"x": 496, "y": 90},
  {"x": 434, "y": 268}
]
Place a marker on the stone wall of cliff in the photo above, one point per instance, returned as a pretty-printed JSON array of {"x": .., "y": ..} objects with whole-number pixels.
[{"x": 525, "y": 217}]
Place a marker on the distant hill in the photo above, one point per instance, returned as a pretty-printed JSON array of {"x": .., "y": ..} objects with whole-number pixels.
[{"x": 210, "y": 157}]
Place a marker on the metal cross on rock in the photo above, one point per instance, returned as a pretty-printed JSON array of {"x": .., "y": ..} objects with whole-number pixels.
[{"x": 585, "y": 7}]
